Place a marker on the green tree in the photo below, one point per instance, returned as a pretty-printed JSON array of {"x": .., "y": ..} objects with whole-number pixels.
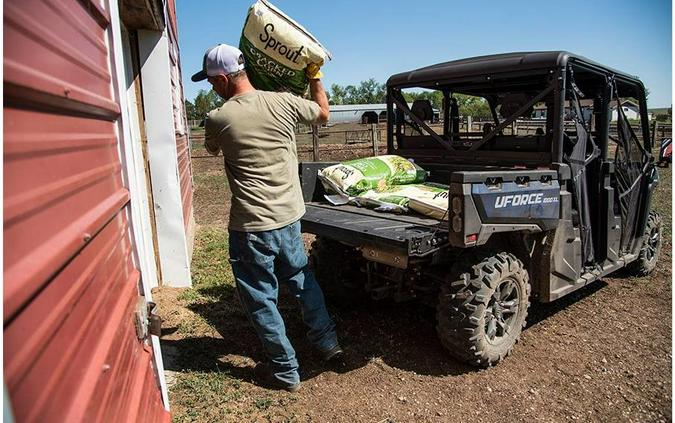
[
  {"x": 435, "y": 97},
  {"x": 337, "y": 94},
  {"x": 476, "y": 107},
  {"x": 190, "y": 110},
  {"x": 351, "y": 95},
  {"x": 205, "y": 101},
  {"x": 367, "y": 92},
  {"x": 370, "y": 91}
]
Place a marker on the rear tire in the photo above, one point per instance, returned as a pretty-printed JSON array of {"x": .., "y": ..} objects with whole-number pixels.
[
  {"x": 482, "y": 312},
  {"x": 651, "y": 247},
  {"x": 336, "y": 268}
]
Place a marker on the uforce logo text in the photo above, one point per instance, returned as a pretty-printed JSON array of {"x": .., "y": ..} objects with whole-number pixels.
[{"x": 523, "y": 200}]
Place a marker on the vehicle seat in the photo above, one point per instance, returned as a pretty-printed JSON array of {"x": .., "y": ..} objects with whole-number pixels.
[{"x": 422, "y": 109}]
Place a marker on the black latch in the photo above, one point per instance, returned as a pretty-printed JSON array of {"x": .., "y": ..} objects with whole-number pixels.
[
  {"x": 146, "y": 321},
  {"x": 154, "y": 321}
]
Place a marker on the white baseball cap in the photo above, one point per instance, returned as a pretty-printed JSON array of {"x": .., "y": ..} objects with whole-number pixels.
[{"x": 220, "y": 59}]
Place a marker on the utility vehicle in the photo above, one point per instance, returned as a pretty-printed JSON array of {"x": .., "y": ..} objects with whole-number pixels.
[{"x": 532, "y": 215}]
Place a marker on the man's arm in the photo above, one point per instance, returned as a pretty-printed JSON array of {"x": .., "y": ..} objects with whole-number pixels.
[
  {"x": 317, "y": 92},
  {"x": 211, "y": 136},
  {"x": 319, "y": 96}
]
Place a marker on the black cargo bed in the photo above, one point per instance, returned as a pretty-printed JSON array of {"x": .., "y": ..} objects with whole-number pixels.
[{"x": 415, "y": 234}]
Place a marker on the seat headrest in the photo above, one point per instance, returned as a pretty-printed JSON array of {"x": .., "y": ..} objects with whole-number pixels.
[
  {"x": 422, "y": 109},
  {"x": 512, "y": 102}
]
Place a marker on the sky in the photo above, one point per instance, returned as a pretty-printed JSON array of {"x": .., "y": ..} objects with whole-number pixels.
[{"x": 378, "y": 38}]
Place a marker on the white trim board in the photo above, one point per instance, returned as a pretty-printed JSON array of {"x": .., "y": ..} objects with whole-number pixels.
[{"x": 163, "y": 157}]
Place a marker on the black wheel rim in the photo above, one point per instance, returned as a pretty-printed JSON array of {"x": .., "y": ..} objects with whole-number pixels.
[
  {"x": 652, "y": 244},
  {"x": 502, "y": 311}
]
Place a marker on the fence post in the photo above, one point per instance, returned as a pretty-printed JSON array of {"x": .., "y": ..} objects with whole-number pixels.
[
  {"x": 656, "y": 125},
  {"x": 315, "y": 143},
  {"x": 374, "y": 136}
]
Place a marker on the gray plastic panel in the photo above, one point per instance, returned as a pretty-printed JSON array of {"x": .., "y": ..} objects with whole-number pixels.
[{"x": 505, "y": 176}]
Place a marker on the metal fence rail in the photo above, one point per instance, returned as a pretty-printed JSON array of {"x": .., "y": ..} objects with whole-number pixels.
[{"x": 371, "y": 139}]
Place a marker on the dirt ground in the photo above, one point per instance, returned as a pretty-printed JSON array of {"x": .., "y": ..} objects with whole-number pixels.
[{"x": 601, "y": 354}]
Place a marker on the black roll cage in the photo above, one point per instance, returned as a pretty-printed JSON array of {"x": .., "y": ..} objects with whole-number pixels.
[{"x": 557, "y": 81}]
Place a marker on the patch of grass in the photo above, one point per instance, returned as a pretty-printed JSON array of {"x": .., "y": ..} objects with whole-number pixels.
[
  {"x": 207, "y": 393},
  {"x": 213, "y": 293},
  {"x": 662, "y": 203},
  {"x": 212, "y": 179},
  {"x": 212, "y": 194},
  {"x": 211, "y": 271},
  {"x": 190, "y": 295},
  {"x": 194, "y": 325},
  {"x": 203, "y": 396},
  {"x": 263, "y": 403}
]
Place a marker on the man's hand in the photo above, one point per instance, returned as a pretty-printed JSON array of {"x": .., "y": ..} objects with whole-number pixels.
[{"x": 313, "y": 71}]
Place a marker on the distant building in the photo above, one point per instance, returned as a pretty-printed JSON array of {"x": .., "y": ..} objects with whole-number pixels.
[
  {"x": 358, "y": 113},
  {"x": 539, "y": 111},
  {"x": 362, "y": 113},
  {"x": 630, "y": 109}
]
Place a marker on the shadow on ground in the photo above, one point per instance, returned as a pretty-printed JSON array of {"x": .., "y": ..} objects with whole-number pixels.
[{"x": 401, "y": 335}]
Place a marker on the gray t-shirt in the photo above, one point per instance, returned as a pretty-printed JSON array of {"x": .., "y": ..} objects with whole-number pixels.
[{"x": 256, "y": 133}]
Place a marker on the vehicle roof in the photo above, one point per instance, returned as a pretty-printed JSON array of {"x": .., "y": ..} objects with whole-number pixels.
[
  {"x": 359, "y": 107},
  {"x": 497, "y": 63}
]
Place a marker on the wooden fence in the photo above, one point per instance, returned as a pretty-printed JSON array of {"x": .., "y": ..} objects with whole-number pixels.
[
  {"x": 529, "y": 127},
  {"x": 367, "y": 138},
  {"x": 370, "y": 139}
]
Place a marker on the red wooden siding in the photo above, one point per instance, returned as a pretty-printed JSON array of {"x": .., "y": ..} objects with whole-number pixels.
[
  {"x": 185, "y": 172},
  {"x": 70, "y": 284},
  {"x": 182, "y": 139}
]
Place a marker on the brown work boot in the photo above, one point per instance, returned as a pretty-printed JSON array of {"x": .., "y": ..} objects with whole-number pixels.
[
  {"x": 265, "y": 378},
  {"x": 332, "y": 354}
]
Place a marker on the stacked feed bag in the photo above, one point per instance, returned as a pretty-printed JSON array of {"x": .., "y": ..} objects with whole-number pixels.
[
  {"x": 428, "y": 199},
  {"x": 386, "y": 183},
  {"x": 356, "y": 176}
]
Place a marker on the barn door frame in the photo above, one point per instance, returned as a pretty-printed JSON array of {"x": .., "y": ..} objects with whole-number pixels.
[{"x": 133, "y": 170}]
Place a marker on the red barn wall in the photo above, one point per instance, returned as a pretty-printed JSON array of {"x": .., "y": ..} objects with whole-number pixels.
[{"x": 71, "y": 287}]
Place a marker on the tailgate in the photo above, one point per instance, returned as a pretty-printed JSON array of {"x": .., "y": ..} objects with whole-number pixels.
[{"x": 415, "y": 235}]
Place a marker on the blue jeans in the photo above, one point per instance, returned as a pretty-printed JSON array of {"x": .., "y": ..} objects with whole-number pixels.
[{"x": 260, "y": 261}]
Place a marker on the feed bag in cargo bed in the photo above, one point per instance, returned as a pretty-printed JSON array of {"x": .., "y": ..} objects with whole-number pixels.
[
  {"x": 378, "y": 173},
  {"x": 428, "y": 199},
  {"x": 277, "y": 50}
]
